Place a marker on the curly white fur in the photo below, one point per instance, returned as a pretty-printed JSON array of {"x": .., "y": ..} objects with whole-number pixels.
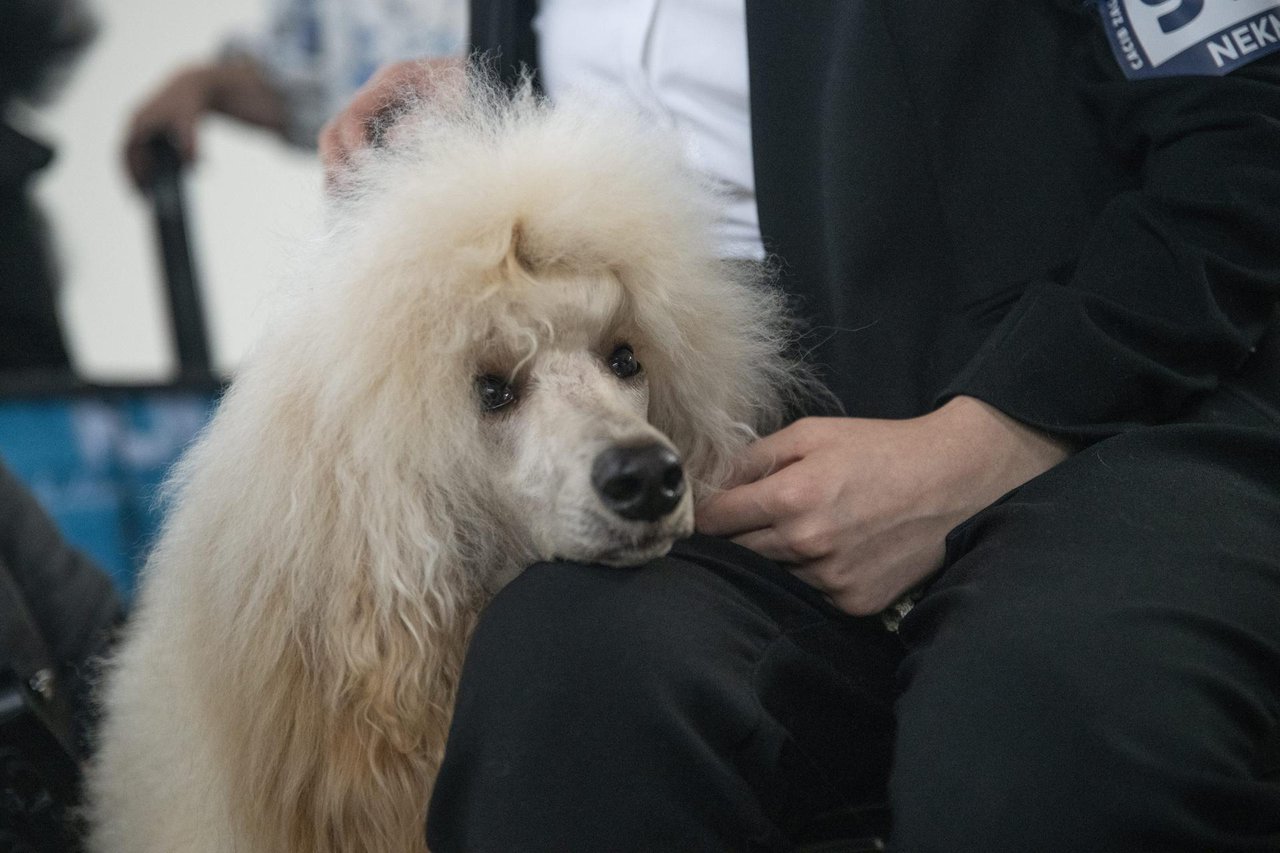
[{"x": 287, "y": 678}]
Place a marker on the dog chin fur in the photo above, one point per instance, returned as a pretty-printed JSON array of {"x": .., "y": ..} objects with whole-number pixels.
[
  {"x": 287, "y": 677},
  {"x": 643, "y": 546}
]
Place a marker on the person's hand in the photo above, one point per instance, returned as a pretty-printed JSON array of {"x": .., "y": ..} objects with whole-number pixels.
[
  {"x": 364, "y": 119},
  {"x": 860, "y": 508},
  {"x": 173, "y": 110},
  {"x": 235, "y": 87}
]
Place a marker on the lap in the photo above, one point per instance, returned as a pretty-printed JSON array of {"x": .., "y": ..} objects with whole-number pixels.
[
  {"x": 1183, "y": 518},
  {"x": 1104, "y": 643},
  {"x": 708, "y": 700}
]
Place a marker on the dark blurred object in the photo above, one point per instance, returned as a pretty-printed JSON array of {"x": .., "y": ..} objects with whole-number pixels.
[
  {"x": 39, "y": 779},
  {"x": 95, "y": 455},
  {"x": 57, "y": 608},
  {"x": 190, "y": 337},
  {"x": 38, "y": 41},
  {"x": 30, "y": 336},
  {"x": 57, "y": 612}
]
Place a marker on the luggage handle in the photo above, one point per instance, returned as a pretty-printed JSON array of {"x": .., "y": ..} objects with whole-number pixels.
[{"x": 186, "y": 311}]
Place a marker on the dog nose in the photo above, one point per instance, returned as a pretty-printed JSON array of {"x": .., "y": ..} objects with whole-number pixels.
[{"x": 639, "y": 483}]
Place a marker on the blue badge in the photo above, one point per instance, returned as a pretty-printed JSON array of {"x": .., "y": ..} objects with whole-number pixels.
[{"x": 1167, "y": 38}]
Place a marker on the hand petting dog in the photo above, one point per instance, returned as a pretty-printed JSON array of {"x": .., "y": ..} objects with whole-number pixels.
[
  {"x": 861, "y": 508},
  {"x": 375, "y": 105}
]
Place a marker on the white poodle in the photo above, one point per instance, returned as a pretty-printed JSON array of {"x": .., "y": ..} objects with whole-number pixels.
[{"x": 517, "y": 344}]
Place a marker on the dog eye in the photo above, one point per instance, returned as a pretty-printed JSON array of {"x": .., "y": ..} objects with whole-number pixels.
[
  {"x": 494, "y": 392},
  {"x": 623, "y": 362}
]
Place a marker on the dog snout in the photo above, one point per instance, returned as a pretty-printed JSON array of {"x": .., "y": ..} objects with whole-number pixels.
[{"x": 641, "y": 483}]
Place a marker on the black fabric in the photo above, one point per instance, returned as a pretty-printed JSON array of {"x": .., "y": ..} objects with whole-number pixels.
[
  {"x": 56, "y": 607},
  {"x": 1098, "y": 668},
  {"x": 38, "y": 41},
  {"x": 30, "y": 335},
  {"x": 501, "y": 30},
  {"x": 965, "y": 198},
  {"x": 706, "y": 701},
  {"x": 1004, "y": 215},
  {"x": 970, "y": 198}
]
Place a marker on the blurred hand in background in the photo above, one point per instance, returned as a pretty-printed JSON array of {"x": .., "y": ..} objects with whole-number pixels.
[
  {"x": 236, "y": 87},
  {"x": 295, "y": 74}
]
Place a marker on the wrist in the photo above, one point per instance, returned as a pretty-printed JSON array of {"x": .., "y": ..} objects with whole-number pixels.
[
  {"x": 219, "y": 83},
  {"x": 223, "y": 82},
  {"x": 1001, "y": 450},
  {"x": 198, "y": 84},
  {"x": 983, "y": 419},
  {"x": 237, "y": 86}
]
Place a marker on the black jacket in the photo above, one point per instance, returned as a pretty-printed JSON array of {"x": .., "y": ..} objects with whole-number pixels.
[
  {"x": 30, "y": 336},
  {"x": 57, "y": 608},
  {"x": 969, "y": 197}
]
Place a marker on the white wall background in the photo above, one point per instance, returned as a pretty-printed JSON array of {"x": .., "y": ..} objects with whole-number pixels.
[{"x": 251, "y": 200}]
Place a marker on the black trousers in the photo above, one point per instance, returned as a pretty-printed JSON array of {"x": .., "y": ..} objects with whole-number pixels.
[{"x": 1096, "y": 668}]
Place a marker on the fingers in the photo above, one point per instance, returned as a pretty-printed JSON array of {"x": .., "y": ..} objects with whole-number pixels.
[
  {"x": 835, "y": 577},
  {"x": 139, "y": 158},
  {"x": 826, "y": 577},
  {"x": 367, "y": 118},
  {"x": 770, "y": 484},
  {"x": 769, "y": 542},
  {"x": 347, "y": 132},
  {"x": 831, "y": 576},
  {"x": 174, "y": 111},
  {"x": 789, "y": 504},
  {"x": 775, "y": 452},
  {"x": 848, "y": 596},
  {"x": 737, "y": 511}
]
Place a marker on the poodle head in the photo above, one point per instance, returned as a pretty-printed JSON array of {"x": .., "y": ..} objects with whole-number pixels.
[
  {"x": 520, "y": 318},
  {"x": 560, "y": 422}
]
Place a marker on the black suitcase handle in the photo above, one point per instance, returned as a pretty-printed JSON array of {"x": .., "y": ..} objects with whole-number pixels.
[{"x": 190, "y": 333}]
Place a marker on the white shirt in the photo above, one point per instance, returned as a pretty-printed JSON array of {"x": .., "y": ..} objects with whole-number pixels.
[{"x": 684, "y": 62}]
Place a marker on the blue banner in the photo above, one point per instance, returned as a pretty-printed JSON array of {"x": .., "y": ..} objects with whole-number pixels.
[{"x": 96, "y": 462}]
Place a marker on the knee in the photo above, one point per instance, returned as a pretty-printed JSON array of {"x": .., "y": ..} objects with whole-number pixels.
[
  {"x": 548, "y": 605},
  {"x": 583, "y": 681},
  {"x": 991, "y": 737},
  {"x": 580, "y": 618},
  {"x": 1022, "y": 723},
  {"x": 597, "y": 636}
]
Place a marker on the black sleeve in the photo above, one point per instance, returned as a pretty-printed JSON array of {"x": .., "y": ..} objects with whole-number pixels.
[
  {"x": 502, "y": 32},
  {"x": 1179, "y": 277},
  {"x": 71, "y": 601}
]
